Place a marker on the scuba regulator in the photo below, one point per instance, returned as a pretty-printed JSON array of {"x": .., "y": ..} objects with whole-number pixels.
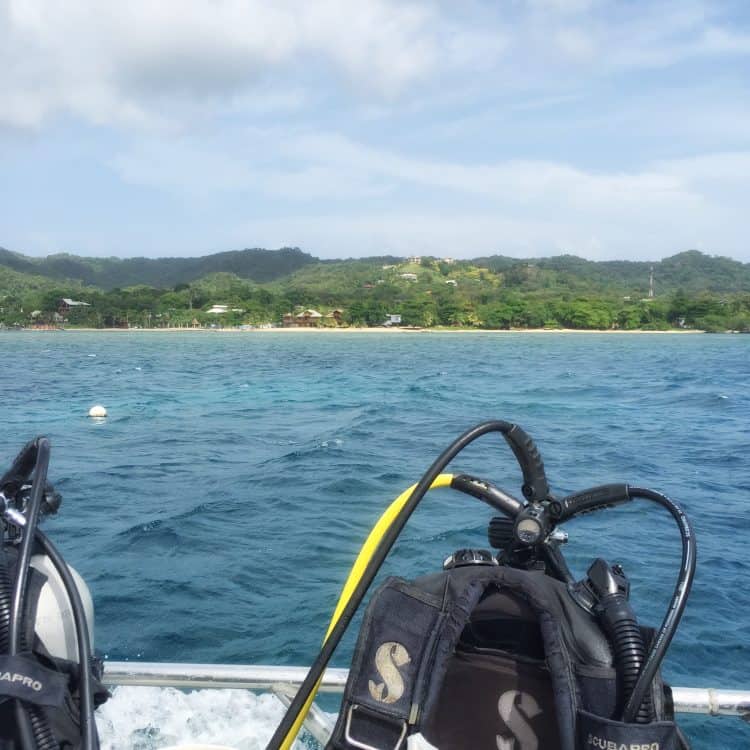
[
  {"x": 49, "y": 683},
  {"x": 528, "y": 538}
]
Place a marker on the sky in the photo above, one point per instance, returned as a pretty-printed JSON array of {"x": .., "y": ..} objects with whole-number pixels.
[{"x": 603, "y": 128}]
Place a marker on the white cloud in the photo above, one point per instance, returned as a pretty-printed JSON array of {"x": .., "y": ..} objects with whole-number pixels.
[
  {"x": 718, "y": 41},
  {"x": 231, "y": 102},
  {"x": 518, "y": 183},
  {"x": 467, "y": 234},
  {"x": 169, "y": 62},
  {"x": 181, "y": 167},
  {"x": 261, "y": 161},
  {"x": 576, "y": 44},
  {"x": 725, "y": 168},
  {"x": 600, "y": 37},
  {"x": 563, "y": 7},
  {"x": 136, "y": 62},
  {"x": 514, "y": 206}
]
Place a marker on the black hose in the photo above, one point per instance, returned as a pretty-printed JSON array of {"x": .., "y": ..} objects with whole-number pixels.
[
  {"x": 556, "y": 565},
  {"x": 39, "y": 726},
  {"x": 86, "y": 710},
  {"x": 25, "y": 549},
  {"x": 26, "y": 729},
  {"x": 43, "y": 736},
  {"x": 620, "y": 624},
  {"x": 388, "y": 540},
  {"x": 676, "y": 606},
  {"x": 6, "y": 598}
]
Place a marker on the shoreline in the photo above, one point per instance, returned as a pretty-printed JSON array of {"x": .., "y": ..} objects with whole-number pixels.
[{"x": 393, "y": 330}]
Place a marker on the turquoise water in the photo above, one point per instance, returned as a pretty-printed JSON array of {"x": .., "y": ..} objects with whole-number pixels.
[{"x": 216, "y": 512}]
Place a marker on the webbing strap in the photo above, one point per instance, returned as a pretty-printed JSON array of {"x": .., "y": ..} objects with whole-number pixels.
[
  {"x": 408, "y": 636},
  {"x": 23, "y": 677}
]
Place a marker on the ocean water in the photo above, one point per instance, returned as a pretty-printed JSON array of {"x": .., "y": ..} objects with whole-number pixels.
[{"x": 217, "y": 510}]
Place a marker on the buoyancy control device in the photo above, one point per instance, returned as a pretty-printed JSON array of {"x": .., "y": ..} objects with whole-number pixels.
[
  {"x": 502, "y": 650},
  {"x": 49, "y": 680}
]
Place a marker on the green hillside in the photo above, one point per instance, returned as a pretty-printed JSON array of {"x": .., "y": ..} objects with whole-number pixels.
[
  {"x": 110, "y": 273},
  {"x": 260, "y": 287},
  {"x": 15, "y": 284},
  {"x": 691, "y": 271}
]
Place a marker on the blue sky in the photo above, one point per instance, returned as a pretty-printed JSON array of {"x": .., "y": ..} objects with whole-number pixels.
[{"x": 604, "y": 128}]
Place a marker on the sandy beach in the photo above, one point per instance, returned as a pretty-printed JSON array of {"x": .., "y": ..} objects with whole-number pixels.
[{"x": 393, "y": 330}]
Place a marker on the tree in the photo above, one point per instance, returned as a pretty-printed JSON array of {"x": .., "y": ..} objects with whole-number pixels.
[
  {"x": 496, "y": 315},
  {"x": 449, "y": 309},
  {"x": 582, "y": 313},
  {"x": 713, "y": 323},
  {"x": 356, "y": 313},
  {"x": 418, "y": 311}
]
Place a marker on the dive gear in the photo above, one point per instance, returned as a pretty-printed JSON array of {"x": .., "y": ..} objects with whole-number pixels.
[
  {"x": 462, "y": 557},
  {"x": 54, "y": 659},
  {"x": 535, "y": 486},
  {"x": 500, "y": 532},
  {"x": 533, "y": 551},
  {"x": 611, "y": 590},
  {"x": 507, "y": 639}
]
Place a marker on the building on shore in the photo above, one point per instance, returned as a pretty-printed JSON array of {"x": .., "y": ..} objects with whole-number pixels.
[
  {"x": 305, "y": 319},
  {"x": 66, "y": 305},
  {"x": 336, "y": 316}
]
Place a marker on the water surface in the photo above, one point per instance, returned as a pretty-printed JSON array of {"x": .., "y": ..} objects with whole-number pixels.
[{"x": 217, "y": 510}]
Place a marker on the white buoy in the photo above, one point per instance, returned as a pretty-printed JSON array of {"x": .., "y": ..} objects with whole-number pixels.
[{"x": 97, "y": 411}]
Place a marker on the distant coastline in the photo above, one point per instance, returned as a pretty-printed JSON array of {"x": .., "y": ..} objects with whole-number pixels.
[
  {"x": 258, "y": 289},
  {"x": 367, "y": 330},
  {"x": 689, "y": 291}
]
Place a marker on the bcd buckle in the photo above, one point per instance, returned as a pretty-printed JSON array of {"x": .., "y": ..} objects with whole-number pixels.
[{"x": 363, "y": 745}]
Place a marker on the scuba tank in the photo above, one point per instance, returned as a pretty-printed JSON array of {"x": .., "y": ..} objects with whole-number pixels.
[
  {"x": 49, "y": 681},
  {"x": 54, "y": 625},
  {"x": 502, "y": 650}
]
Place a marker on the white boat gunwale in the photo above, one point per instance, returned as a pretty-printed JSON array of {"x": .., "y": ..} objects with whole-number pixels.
[{"x": 284, "y": 681}]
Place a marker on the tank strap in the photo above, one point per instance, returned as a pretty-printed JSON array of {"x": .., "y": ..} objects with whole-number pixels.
[{"x": 23, "y": 677}]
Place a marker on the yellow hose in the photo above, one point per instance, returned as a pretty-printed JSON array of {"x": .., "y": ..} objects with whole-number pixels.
[{"x": 359, "y": 567}]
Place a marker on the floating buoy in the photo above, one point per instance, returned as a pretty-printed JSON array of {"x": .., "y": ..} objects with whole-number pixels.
[{"x": 97, "y": 411}]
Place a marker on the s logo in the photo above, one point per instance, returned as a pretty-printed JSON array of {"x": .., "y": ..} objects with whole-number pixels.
[
  {"x": 515, "y": 708},
  {"x": 388, "y": 658}
]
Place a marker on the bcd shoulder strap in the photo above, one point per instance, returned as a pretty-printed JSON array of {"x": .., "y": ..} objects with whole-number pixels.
[{"x": 406, "y": 642}]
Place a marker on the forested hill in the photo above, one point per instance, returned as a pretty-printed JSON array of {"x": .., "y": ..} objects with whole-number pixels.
[
  {"x": 262, "y": 287},
  {"x": 108, "y": 273},
  {"x": 690, "y": 271}
]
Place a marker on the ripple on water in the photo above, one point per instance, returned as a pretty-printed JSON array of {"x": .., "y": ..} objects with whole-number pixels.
[{"x": 217, "y": 510}]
